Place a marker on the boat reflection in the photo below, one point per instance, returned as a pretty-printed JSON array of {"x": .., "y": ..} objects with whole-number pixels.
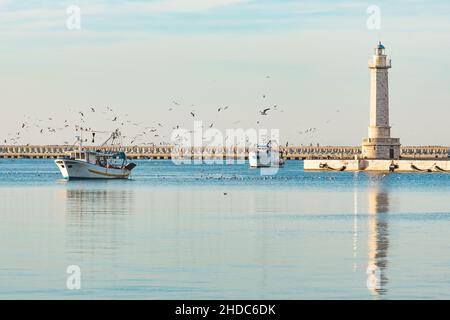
[
  {"x": 96, "y": 222},
  {"x": 98, "y": 201},
  {"x": 378, "y": 238}
]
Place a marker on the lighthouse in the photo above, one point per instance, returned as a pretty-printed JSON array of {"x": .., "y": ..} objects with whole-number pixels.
[
  {"x": 379, "y": 144},
  {"x": 380, "y": 152}
]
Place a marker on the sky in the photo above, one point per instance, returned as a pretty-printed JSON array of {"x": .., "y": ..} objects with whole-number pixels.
[{"x": 157, "y": 61}]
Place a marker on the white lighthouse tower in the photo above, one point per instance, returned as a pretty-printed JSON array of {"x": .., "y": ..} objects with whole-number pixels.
[
  {"x": 379, "y": 144},
  {"x": 380, "y": 152}
]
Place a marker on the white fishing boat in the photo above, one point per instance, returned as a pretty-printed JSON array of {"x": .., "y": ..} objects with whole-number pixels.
[
  {"x": 85, "y": 164},
  {"x": 265, "y": 156}
]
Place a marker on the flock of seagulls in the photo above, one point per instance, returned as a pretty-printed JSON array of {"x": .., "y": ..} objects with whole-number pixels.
[{"x": 144, "y": 134}]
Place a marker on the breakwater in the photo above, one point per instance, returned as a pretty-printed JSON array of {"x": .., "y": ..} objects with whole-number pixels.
[{"x": 169, "y": 152}]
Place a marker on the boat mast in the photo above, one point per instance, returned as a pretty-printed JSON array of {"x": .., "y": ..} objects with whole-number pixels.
[
  {"x": 112, "y": 138},
  {"x": 80, "y": 143}
]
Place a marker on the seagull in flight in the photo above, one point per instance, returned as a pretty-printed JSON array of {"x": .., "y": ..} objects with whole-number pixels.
[{"x": 264, "y": 112}]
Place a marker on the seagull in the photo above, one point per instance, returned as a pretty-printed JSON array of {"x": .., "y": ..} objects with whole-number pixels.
[
  {"x": 82, "y": 114},
  {"x": 92, "y": 109},
  {"x": 192, "y": 114},
  {"x": 115, "y": 119},
  {"x": 264, "y": 112}
]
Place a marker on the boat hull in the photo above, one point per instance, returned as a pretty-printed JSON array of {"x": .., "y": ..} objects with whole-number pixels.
[
  {"x": 264, "y": 160},
  {"x": 75, "y": 169}
]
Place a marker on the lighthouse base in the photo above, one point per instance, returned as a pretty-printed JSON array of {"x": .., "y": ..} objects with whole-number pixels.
[
  {"x": 381, "y": 148},
  {"x": 375, "y": 165}
]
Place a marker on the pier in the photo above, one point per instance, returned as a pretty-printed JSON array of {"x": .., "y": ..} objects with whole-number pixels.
[{"x": 169, "y": 152}]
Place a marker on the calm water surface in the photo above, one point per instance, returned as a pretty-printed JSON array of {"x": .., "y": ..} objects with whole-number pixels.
[{"x": 224, "y": 231}]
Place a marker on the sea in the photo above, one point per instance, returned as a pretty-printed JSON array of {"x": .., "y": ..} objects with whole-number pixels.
[{"x": 223, "y": 231}]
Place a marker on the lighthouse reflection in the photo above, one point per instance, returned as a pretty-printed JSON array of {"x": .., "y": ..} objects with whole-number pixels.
[{"x": 378, "y": 238}]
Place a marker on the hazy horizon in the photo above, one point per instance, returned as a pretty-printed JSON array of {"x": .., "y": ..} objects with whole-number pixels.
[{"x": 142, "y": 58}]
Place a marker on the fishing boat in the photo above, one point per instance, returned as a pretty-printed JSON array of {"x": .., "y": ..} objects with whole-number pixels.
[
  {"x": 265, "y": 156},
  {"x": 98, "y": 164}
]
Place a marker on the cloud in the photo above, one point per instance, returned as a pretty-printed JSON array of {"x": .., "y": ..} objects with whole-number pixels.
[
  {"x": 162, "y": 6},
  {"x": 21, "y": 16}
]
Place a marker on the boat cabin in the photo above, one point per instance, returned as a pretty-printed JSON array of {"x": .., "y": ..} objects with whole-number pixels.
[{"x": 108, "y": 160}]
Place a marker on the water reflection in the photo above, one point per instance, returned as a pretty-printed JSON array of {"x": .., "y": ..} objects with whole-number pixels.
[
  {"x": 378, "y": 238},
  {"x": 96, "y": 220},
  {"x": 98, "y": 201}
]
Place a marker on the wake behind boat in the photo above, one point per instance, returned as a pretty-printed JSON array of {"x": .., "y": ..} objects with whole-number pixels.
[{"x": 85, "y": 164}]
